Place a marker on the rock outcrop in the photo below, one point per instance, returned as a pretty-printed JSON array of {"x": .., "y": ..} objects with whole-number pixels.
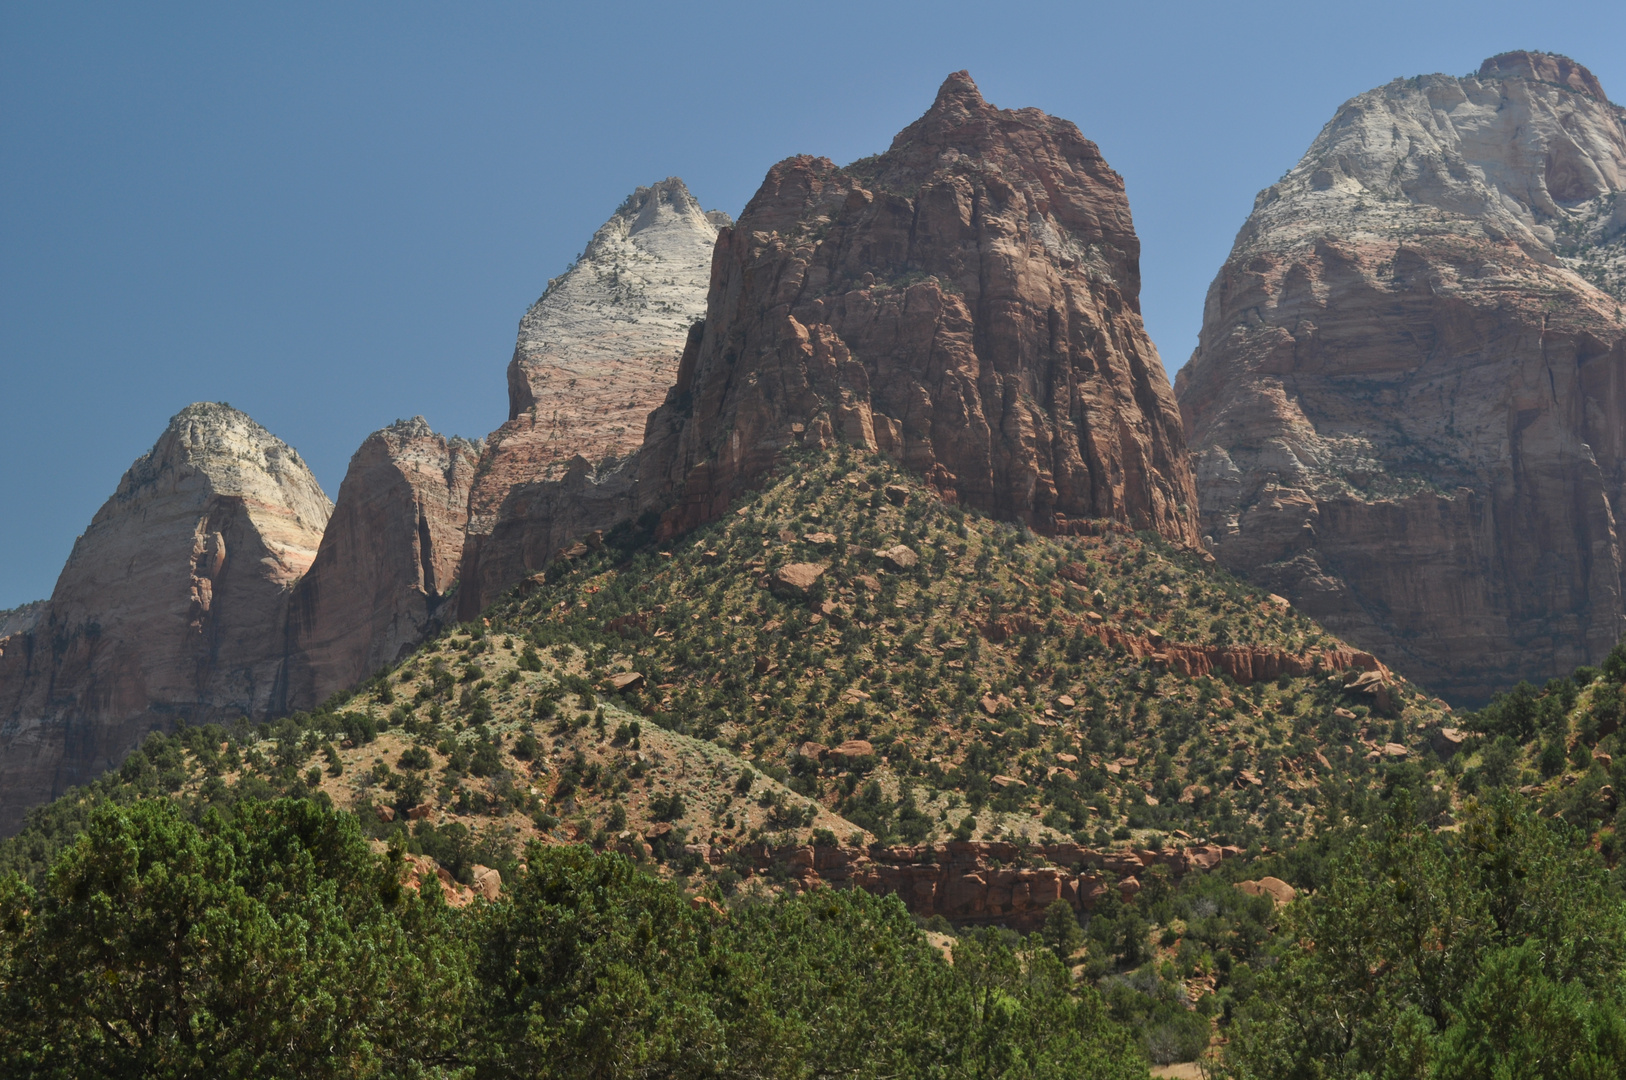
[
  {"x": 983, "y": 882},
  {"x": 169, "y": 607},
  {"x": 388, "y": 558},
  {"x": 595, "y": 355},
  {"x": 967, "y": 302},
  {"x": 18, "y": 619},
  {"x": 1408, "y": 403}
]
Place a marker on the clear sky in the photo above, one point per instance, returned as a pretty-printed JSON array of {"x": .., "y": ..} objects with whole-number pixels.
[{"x": 333, "y": 215}]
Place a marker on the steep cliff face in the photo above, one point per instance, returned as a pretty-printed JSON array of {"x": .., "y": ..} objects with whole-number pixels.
[
  {"x": 595, "y": 355},
  {"x": 1408, "y": 403},
  {"x": 967, "y": 302},
  {"x": 169, "y": 607},
  {"x": 388, "y": 558}
]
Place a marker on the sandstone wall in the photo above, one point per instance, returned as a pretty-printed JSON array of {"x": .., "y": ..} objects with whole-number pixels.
[
  {"x": 388, "y": 558},
  {"x": 169, "y": 607},
  {"x": 1408, "y": 403}
]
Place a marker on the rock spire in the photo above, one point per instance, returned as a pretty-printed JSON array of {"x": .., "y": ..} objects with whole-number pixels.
[
  {"x": 388, "y": 558},
  {"x": 967, "y": 302}
]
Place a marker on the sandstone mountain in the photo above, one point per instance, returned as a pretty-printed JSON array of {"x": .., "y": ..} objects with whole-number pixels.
[
  {"x": 595, "y": 355},
  {"x": 388, "y": 557},
  {"x": 169, "y": 607},
  {"x": 1408, "y": 402},
  {"x": 967, "y": 302}
]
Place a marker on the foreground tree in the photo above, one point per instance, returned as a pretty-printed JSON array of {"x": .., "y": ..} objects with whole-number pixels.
[
  {"x": 271, "y": 944},
  {"x": 1498, "y": 951}
]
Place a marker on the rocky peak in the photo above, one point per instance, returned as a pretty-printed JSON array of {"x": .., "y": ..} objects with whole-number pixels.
[
  {"x": 1405, "y": 403},
  {"x": 630, "y": 296},
  {"x": 1543, "y": 67},
  {"x": 597, "y": 353},
  {"x": 388, "y": 557},
  {"x": 966, "y": 301},
  {"x": 170, "y": 606}
]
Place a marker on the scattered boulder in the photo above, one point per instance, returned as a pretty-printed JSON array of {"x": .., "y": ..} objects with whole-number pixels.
[
  {"x": 626, "y": 680},
  {"x": 1447, "y": 741},
  {"x": 796, "y": 580},
  {"x": 896, "y": 494},
  {"x": 853, "y": 749},
  {"x": 703, "y": 903},
  {"x": 487, "y": 882},
  {"x": 418, "y": 813},
  {"x": 1275, "y": 888},
  {"x": 386, "y": 814},
  {"x": 899, "y": 558}
]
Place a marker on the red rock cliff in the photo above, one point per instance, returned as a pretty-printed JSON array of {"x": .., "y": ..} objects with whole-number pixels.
[
  {"x": 388, "y": 557},
  {"x": 967, "y": 302},
  {"x": 1408, "y": 402}
]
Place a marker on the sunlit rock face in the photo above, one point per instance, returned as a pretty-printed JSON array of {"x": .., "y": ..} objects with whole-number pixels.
[
  {"x": 1408, "y": 403},
  {"x": 171, "y": 606},
  {"x": 595, "y": 355},
  {"x": 967, "y": 302},
  {"x": 387, "y": 562}
]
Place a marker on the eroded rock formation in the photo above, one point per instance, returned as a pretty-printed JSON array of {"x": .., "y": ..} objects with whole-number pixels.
[
  {"x": 982, "y": 882},
  {"x": 1408, "y": 403},
  {"x": 388, "y": 558},
  {"x": 169, "y": 607},
  {"x": 595, "y": 355},
  {"x": 967, "y": 302}
]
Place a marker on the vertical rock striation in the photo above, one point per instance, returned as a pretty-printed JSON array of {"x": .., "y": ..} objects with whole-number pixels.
[
  {"x": 388, "y": 558},
  {"x": 967, "y": 302},
  {"x": 594, "y": 356},
  {"x": 169, "y": 608},
  {"x": 1408, "y": 402}
]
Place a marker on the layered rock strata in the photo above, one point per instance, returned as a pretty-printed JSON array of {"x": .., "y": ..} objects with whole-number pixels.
[
  {"x": 1408, "y": 402},
  {"x": 967, "y": 302},
  {"x": 983, "y": 882},
  {"x": 169, "y": 607},
  {"x": 388, "y": 559},
  {"x": 595, "y": 355}
]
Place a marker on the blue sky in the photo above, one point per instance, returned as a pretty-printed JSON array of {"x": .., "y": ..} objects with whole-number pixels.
[{"x": 334, "y": 215}]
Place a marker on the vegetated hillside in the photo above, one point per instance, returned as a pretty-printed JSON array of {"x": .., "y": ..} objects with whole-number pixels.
[
  {"x": 927, "y": 672},
  {"x": 845, "y": 657},
  {"x": 1039, "y": 687}
]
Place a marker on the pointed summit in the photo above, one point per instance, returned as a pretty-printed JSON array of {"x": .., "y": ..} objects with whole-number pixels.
[
  {"x": 170, "y": 607},
  {"x": 597, "y": 353},
  {"x": 960, "y": 87}
]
